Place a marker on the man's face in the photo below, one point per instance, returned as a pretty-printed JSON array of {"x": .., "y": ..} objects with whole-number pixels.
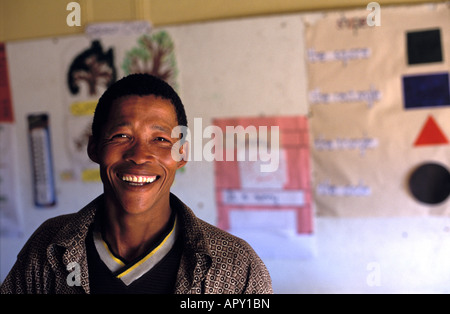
[{"x": 134, "y": 153}]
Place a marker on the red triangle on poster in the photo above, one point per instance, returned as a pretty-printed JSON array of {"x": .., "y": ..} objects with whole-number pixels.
[{"x": 431, "y": 134}]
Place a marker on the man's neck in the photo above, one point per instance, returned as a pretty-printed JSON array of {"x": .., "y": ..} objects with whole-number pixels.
[{"x": 131, "y": 235}]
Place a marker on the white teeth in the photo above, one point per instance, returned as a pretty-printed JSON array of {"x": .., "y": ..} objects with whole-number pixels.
[{"x": 138, "y": 179}]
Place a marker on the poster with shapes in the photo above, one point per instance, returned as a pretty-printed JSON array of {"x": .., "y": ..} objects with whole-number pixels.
[
  {"x": 380, "y": 104},
  {"x": 263, "y": 182}
]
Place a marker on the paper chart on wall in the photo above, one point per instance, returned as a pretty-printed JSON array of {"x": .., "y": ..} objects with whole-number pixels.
[
  {"x": 266, "y": 205},
  {"x": 10, "y": 217},
  {"x": 372, "y": 93}
]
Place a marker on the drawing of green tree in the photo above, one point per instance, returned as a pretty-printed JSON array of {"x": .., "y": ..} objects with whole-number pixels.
[{"x": 154, "y": 54}]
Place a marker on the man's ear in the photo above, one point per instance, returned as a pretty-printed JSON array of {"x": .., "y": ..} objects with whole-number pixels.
[
  {"x": 184, "y": 152},
  {"x": 92, "y": 150}
]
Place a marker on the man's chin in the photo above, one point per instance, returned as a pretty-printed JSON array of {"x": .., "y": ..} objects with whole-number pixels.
[
  {"x": 136, "y": 202},
  {"x": 137, "y": 197}
]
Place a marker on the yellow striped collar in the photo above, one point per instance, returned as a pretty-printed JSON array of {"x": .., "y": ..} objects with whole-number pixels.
[{"x": 129, "y": 273}]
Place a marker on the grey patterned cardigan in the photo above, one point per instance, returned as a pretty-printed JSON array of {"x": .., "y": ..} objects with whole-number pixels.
[{"x": 213, "y": 261}]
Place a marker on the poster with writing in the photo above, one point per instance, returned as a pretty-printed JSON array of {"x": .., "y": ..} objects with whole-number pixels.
[
  {"x": 244, "y": 184},
  {"x": 263, "y": 190},
  {"x": 263, "y": 182},
  {"x": 380, "y": 105}
]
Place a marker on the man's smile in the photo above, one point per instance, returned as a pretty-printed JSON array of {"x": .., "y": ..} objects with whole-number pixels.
[{"x": 137, "y": 180}]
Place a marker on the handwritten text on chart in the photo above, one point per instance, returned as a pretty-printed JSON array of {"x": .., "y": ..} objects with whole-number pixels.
[
  {"x": 353, "y": 23},
  {"x": 360, "y": 144},
  {"x": 368, "y": 96},
  {"x": 264, "y": 198},
  {"x": 329, "y": 189},
  {"x": 338, "y": 55},
  {"x": 99, "y": 30}
]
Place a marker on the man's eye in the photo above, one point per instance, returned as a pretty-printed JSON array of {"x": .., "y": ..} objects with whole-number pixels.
[
  {"x": 162, "y": 139},
  {"x": 119, "y": 136}
]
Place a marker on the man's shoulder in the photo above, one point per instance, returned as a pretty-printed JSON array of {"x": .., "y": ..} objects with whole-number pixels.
[
  {"x": 59, "y": 229},
  {"x": 220, "y": 240},
  {"x": 43, "y": 236},
  {"x": 235, "y": 267},
  {"x": 207, "y": 237},
  {"x": 52, "y": 226}
]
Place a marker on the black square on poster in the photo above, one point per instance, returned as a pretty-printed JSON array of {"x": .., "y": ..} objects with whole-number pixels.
[{"x": 424, "y": 46}]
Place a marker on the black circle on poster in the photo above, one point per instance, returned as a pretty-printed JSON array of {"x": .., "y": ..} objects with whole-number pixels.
[{"x": 430, "y": 183}]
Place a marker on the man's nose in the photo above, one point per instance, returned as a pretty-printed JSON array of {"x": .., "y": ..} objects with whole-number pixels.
[{"x": 139, "y": 153}]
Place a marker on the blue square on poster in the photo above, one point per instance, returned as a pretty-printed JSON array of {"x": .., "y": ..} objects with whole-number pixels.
[{"x": 429, "y": 90}]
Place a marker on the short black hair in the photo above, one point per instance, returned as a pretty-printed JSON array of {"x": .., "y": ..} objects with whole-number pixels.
[{"x": 135, "y": 84}]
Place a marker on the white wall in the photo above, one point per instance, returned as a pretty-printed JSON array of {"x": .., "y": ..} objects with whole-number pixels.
[
  {"x": 247, "y": 67},
  {"x": 37, "y": 86}
]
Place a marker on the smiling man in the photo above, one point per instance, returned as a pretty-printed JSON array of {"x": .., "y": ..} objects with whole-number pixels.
[{"x": 137, "y": 237}]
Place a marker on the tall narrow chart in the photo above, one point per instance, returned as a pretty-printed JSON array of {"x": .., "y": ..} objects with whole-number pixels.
[{"x": 380, "y": 104}]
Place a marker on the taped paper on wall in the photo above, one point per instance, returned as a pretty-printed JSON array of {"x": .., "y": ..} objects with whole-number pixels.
[
  {"x": 241, "y": 185},
  {"x": 10, "y": 217},
  {"x": 6, "y": 109},
  {"x": 267, "y": 208},
  {"x": 369, "y": 100}
]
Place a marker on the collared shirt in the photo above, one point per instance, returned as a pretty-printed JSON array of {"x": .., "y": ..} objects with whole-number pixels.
[
  {"x": 154, "y": 271},
  {"x": 54, "y": 260}
]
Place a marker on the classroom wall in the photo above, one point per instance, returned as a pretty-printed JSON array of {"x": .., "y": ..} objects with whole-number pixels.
[
  {"x": 238, "y": 67},
  {"x": 24, "y": 19},
  {"x": 412, "y": 254}
]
